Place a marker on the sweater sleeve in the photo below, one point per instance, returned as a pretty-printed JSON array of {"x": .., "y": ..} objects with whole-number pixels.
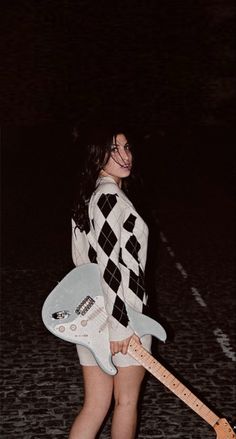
[
  {"x": 79, "y": 246},
  {"x": 107, "y": 218}
]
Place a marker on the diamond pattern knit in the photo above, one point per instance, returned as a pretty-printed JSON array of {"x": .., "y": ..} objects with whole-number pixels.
[{"x": 117, "y": 241}]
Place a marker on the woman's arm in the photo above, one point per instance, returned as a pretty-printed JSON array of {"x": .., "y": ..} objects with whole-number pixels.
[{"x": 107, "y": 215}]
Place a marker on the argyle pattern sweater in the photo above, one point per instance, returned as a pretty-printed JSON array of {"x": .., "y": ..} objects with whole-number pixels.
[{"x": 117, "y": 242}]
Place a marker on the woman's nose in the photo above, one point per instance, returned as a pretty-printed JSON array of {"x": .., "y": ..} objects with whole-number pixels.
[{"x": 125, "y": 155}]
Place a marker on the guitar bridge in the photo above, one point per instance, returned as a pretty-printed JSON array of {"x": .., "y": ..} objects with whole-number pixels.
[{"x": 85, "y": 305}]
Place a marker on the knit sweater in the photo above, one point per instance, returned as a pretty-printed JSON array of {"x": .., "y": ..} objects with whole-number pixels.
[{"x": 117, "y": 242}]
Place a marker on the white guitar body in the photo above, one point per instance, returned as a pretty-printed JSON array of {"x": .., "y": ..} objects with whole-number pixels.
[{"x": 75, "y": 312}]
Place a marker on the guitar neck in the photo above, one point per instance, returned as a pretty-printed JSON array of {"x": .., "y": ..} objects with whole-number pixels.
[{"x": 171, "y": 382}]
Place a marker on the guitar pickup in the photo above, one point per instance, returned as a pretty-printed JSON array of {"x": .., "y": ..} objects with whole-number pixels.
[{"x": 85, "y": 305}]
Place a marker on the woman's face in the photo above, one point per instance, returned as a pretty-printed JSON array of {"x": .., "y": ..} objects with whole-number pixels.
[{"x": 119, "y": 163}]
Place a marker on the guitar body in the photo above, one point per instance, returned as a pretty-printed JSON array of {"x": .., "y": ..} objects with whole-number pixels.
[{"x": 75, "y": 312}]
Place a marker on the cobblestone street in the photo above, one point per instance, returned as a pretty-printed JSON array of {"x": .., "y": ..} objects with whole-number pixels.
[{"x": 195, "y": 298}]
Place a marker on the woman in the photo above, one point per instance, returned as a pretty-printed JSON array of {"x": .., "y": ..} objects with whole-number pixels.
[{"x": 107, "y": 230}]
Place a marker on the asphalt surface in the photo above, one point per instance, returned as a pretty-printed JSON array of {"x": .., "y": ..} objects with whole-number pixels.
[{"x": 193, "y": 295}]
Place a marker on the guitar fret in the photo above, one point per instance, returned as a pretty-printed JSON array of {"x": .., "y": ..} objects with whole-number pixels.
[
  {"x": 155, "y": 365},
  {"x": 185, "y": 394},
  {"x": 160, "y": 371},
  {"x": 174, "y": 384},
  {"x": 165, "y": 375},
  {"x": 208, "y": 415}
]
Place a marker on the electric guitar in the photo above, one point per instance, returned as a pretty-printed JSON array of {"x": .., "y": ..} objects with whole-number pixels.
[{"x": 75, "y": 312}]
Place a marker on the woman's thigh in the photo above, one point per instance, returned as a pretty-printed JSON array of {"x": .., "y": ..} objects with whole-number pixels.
[
  {"x": 98, "y": 387},
  {"x": 127, "y": 384}
]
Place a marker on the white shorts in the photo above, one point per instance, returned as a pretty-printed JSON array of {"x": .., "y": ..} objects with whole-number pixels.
[{"x": 86, "y": 357}]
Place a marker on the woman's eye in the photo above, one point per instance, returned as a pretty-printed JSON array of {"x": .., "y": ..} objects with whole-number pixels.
[
  {"x": 114, "y": 149},
  {"x": 127, "y": 146}
]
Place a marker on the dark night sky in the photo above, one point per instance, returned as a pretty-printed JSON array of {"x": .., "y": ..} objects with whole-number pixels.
[
  {"x": 157, "y": 62},
  {"x": 166, "y": 67}
]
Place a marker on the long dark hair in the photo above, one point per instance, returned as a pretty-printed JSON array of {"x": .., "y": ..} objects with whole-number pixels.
[{"x": 94, "y": 150}]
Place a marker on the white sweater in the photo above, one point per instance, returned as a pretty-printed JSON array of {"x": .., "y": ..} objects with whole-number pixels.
[{"x": 117, "y": 242}]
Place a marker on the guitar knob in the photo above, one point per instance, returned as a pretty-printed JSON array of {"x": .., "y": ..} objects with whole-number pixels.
[
  {"x": 73, "y": 327},
  {"x": 61, "y": 328}
]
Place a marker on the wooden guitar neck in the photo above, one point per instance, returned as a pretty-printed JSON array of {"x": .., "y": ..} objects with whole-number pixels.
[{"x": 180, "y": 390}]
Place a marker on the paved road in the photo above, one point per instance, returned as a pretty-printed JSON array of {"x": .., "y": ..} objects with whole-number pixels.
[{"x": 194, "y": 296}]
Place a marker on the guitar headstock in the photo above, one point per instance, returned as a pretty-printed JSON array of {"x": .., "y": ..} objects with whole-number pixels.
[{"x": 223, "y": 430}]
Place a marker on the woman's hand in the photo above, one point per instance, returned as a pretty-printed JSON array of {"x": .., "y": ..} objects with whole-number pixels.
[{"x": 122, "y": 345}]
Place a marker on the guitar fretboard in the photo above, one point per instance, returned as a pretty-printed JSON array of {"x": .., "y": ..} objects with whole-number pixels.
[{"x": 171, "y": 382}]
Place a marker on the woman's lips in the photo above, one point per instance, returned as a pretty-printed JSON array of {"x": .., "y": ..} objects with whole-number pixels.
[{"x": 126, "y": 166}]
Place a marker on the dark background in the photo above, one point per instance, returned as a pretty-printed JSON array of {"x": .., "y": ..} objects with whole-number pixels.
[{"x": 164, "y": 67}]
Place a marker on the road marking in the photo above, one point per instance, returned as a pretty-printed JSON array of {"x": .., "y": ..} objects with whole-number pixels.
[
  {"x": 181, "y": 269},
  {"x": 221, "y": 338},
  {"x": 198, "y": 297},
  {"x": 224, "y": 343}
]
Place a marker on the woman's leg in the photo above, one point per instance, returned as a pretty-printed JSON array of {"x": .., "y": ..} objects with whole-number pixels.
[
  {"x": 126, "y": 392},
  {"x": 98, "y": 389}
]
